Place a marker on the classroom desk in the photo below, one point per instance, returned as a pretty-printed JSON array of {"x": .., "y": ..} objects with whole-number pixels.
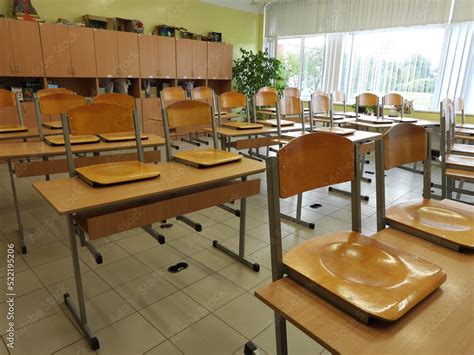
[
  {"x": 179, "y": 190},
  {"x": 26, "y": 150},
  {"x": 31, "y": 133},
  {"x": 442, "y": 324},
  {"x": 358, "y": 137}
]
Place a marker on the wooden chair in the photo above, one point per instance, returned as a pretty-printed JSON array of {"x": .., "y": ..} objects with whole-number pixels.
[
  {"x": 291, "y": 92},
  {"x": 292, "y": 107},
  {"x": 339, "y": 97},
  {"x": 49, "y": 91},
  {"x": 9, "y": 100},
  {"x": 122, "y": 100},
  {"x": 394, "y": 99},
  {"x": 104, "y": 118},
  {"x": 323, "y": 104},
  {"x": 347, "y": 268},
  {"x": 232, "y": 100},
  {"x": 204, "y": 94},
  {"x": 448, "y": 223},
  {"x": 56, "y": 104},
  {"x": 457, "y": 160},
  {"x": 369, "y": 99}
]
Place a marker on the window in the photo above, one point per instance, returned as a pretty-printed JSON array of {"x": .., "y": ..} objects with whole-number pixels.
[
  {"x": 289, "y": 52},
  {"x": 403, "y": 61},
  {"x": 313, "y": 65}
]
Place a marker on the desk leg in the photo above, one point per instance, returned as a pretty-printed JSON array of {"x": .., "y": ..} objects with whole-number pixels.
[
  {"x": 380, "y": 184},
  {"x": 81, "y": 316},
  {"x": 47, "y": 175},
  {"x": 241, "y": 256},
  {"x": 355, "y": 190},
  {"x": 17, "y": 208}
]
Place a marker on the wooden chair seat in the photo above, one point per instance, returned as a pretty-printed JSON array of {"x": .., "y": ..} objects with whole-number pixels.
[
  {"x": 463, "y": 149},
  {"x": 445, "y": 220},
  {"x": 465, "y": 125},
  {"x": 274, "y": 123},
  {"x": 12, "y": 128},
  {"x": 75, "y": 139},
  {"x": 117, "y": 172},
  {"x": 460, "y": 162},
  {"x": 402, "y": 120},
  {"x": 336, "y": 130},
  {"x": 460, "y": 174},
  {"x": 53, "y": 125},
  {"x": 242, "y": 125},
  {"x": 370, "y": 276},
  {"x": 465, "y": 137},
  {"x": 465, "y": 131},
  {"x": 120, "y": 136},
  {"x": 206, "y": 157}
]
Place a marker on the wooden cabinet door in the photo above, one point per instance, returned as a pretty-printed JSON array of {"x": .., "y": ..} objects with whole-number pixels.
[
  {"x": 226, "y": 62},
  {"x": 106, "y": 53},
  {"x": 7, "y": 62},
  {"x": 166, "y": 57},
  {"x": 199, "y": 60},
  {"x": 81, "y": 42},
  {"x": 148, "y": 50},
  {"x": 184, "y": 58},
  {"x": 128, "y": 58},
  {"x": 213, "y": 60},
  {"x": 56, "y": 53},
  {"x": 26, "y": 44}
]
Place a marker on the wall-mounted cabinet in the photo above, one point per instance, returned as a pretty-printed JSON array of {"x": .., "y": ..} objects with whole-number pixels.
[
  {"x": 157, "y": 57},
  {"x": 117, "y": 54},
  {"x": 191, "y": 59},
  {"x": 219, "y": 62},
  {"x": 21, "y": 53},
  {"x": 68, "y": 51},
  {"x": 166, "y": 57}
]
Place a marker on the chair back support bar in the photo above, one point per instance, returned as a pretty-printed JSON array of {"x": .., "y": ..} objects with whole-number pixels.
[
  {"x": 115, "y": 98},
  {"x": 314, "y": 160},
  {"x": 404, "y": 143}
]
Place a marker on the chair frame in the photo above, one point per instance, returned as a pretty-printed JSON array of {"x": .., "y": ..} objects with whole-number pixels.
[{"x": 15, "y": 103}]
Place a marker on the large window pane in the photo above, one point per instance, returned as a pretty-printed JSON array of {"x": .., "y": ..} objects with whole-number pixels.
[
  {"x": 289, "y": 52},
  {"x": 313, "y": 65},
  {"x": 403, "y": 61}
]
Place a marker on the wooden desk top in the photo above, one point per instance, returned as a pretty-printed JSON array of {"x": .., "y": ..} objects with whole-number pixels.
[
  {"x": 423, "y": 123},
  {"x": 41, "y": 149},
  {"x": 356, "y": 137},
  {"x": 31, "y": 133},
  {"x": 230, "y": 132},
  {"x": 73, "y": 195},
  {"x": 441, "y": 324}
]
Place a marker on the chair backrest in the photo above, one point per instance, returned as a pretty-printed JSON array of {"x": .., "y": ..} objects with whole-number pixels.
[
  {"x": 459, "y": 107},
  {"x": 187, "y": 113},
  {"x": 291, "y": 105},
  {"x": 320, "y": 103},
  {"x": 49, "y": 91},
  {"x": 320, "y": 92},
  {"x": 265, "y": 99},
  {"x": 339, "y": 96},
  {"x": 202, "y": 93},
  {"x": 171, "y": 95},
  {"x": 292, "y": 92},
  {"x": 9, "y": 99},
  {"x": 99, "y": 118},
  {"x": 232, "y": 99},
  {"x": 404, "y": 143},
  {"x": 394, "y": 99},
  {"x": 314, "y": 160},
  {"x": 268, "y": 89},
  {"x": 367, "y": 99},
  {"x": 115, "y": 98},
  {"x": 55, "y": 104}
]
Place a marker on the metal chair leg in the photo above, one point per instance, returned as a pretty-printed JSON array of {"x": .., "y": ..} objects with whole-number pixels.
[
  {"x": 197, "y": 226},
  {"x": 154, "y": 233},
  {"x": 17, "y": 208}
]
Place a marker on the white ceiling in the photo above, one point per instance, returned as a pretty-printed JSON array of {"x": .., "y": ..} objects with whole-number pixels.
[{"x": 255, "y": 6}]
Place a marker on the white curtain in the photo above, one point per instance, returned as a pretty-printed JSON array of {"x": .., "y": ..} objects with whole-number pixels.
[
  {"x": 305, "y": 17},
  {"x": 332, "y": 62}
]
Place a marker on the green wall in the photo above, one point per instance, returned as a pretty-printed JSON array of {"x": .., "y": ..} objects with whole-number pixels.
[{"x": 242, "y": 29}]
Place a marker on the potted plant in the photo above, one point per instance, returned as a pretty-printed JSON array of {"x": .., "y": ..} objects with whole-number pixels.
[{"x": 253, "y": 71}]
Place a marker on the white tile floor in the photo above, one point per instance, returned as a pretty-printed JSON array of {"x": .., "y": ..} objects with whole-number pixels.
[{"x": 135, "y": 306}]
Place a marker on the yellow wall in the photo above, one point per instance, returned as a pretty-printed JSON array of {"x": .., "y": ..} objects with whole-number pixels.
[{"x": 242, "y": 29}]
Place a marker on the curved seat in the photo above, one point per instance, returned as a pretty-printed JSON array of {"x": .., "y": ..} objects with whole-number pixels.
[
  {"x": 372, "y": 276},
  {"x": 336, "y": 130},
  {"x": 12, "y": 128},
  {"x": 460, "y": 161},
  {"x": 448, "y": 222},
  {"x": 242, "y": 125},
  {"x": 463, "y": 149},
  {"x": 207, "y": 157}
]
